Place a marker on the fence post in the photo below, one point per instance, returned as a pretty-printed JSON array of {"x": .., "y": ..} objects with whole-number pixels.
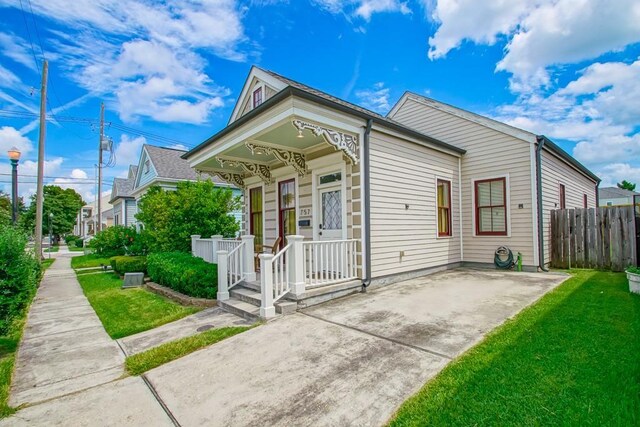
[
  {"x": 194, "y": 237},
  {"x": 267, "y": 309},
  {"x": 249, "y": 272},
  {"x": 215, "y": 248},
  {"x": 223, "y": 277},
  {"x": 295, "y": 260}
]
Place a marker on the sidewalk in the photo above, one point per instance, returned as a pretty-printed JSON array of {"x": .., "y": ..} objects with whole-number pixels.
[{"x": 64, "y": 348}]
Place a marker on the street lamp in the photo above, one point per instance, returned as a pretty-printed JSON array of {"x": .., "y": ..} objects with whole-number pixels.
[
  {"x": 14, "y": 156},
  {"x": 50, "y": 242}
]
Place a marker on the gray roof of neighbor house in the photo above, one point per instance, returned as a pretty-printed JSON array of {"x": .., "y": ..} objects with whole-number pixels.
[
  {"x": 615, "y": 193},
  {"x": 168, "y": 163},
  {"x": 295, "y": 88},
  {"x": 123, "y": 187}
]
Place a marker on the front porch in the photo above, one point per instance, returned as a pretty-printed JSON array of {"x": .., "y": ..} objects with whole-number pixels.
[{"x": 301, "y": 274}]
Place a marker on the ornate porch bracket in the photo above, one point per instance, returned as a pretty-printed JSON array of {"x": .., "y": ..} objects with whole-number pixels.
[
  {"x": 291, "y": 158},
  {"x": 341, "y": 141},
  {"x": 232, "y": 178},
  {"x": 257, "y": 169}
]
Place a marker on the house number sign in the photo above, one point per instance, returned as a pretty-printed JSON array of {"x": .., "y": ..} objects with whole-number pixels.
[{"x": 305, "y": 212}]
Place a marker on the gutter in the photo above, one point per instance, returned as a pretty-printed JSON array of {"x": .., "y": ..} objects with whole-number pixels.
[
  {"x": 541, "y": 142},
  {"x": 366, "y": 168}
]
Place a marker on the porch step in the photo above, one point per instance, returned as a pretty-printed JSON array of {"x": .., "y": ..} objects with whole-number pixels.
[
  {"x": 248, "y": 295},
  {"x": 255, "y": 286},
  {"x": 241, "y": 308}
]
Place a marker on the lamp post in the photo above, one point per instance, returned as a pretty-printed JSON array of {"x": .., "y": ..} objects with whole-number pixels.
[
  {"x": 50, "y": 242},
  {"x": 14, "y": 156}
]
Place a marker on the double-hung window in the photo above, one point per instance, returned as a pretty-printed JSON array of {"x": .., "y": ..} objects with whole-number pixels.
[
  {"x": 491, "y": 207},
  {"x": 444, "y": 208}
]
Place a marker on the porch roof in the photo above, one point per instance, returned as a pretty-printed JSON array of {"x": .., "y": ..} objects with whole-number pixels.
[{"x": 295, "y": 89}]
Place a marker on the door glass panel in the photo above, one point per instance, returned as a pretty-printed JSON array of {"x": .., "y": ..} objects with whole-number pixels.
[{"x": 332, "y": 210}]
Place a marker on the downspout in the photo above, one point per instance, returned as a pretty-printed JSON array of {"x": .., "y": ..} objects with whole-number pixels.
[
  {"x": 366, "y": 179},
  {"x": 540, "y": 140}
]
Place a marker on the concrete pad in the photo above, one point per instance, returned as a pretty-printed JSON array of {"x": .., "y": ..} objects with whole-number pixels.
[
  {"x": 446, "y": 312},
  {"x": 127, "y": 402},
  {"x": 213, "y": 317},
  {"x": 64, "y": 347},
  {"x": 294, "y": 371}
]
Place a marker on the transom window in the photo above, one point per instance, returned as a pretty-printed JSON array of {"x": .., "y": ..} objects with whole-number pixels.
[
  {"x": 257, "y": 97},
  {"x": 491, "y": 207},
  {"x": 330, "y": 178},
  {"x": 444, "y": 208}
]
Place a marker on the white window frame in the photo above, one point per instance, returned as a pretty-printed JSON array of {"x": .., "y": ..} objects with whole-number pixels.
[{"x": 508, "y": 205}]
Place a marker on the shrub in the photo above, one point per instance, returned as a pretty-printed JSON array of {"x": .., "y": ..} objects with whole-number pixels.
[
  {"x": 117, "y": 240},
  {"x": 79, "y": 243},
  {"x": 129, "y": 264},
  {"x": 184, "y": 273},
  {"x": 19, "y": 275},
  {"x": 70, "y": 239}
]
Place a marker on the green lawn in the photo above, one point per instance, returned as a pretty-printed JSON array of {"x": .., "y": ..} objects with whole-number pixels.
[
  {"x": 126, "y": 312},
  {"x": 52, "y": 249},
  {"x": 47, "y": 263},
  {"x": 75, "y": 249},
  {"x": 91, "y": 260},
  {"x": 142, "y": 362},
  {"x": 571, "y": 359}
]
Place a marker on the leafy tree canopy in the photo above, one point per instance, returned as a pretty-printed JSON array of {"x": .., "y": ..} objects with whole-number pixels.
[
  {"x": 5, "y": 208},
  {"x": 64, "y": 204},
  {"x": 626, "y": 185},
  {"x": 171, "y": 217}
]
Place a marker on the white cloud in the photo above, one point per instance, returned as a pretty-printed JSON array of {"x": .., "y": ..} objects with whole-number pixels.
[
  {"x": 11, "y": 137},
  {"x": 539, "y": 33},
  {"x": 363, "y": 8},
  {"x": 145, "y": 55},
  {"x": 128, "y": 150},
  {"x": 376, "y": 99},
  {"x": 617, "y": 172},
  {"x": 15, "y": 48},
  {"x": 598, "y": 111}
]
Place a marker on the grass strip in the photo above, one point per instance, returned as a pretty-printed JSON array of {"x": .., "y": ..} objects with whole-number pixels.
[
  {"x": 125, "y": 312},
  {"x": 573, "y": 358},
  {"x": 90, "y": 260},
  {"x": 142, "y": 362}
]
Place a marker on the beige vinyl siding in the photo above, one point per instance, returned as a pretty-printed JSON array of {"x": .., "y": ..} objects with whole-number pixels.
[
  {"x": 555, "y": 172},
  {"x": 490, "y": 153},
  {"x": 404, "y": 173}
]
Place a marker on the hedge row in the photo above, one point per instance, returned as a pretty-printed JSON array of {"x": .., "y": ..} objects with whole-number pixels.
[
  {"x": 184, "y": 273},
  {"x": 19, "y": 275},
  {"x": 129, "y": 264}
]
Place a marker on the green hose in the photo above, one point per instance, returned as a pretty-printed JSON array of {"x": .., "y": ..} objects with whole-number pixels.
[{"x": 499, "y": 262}]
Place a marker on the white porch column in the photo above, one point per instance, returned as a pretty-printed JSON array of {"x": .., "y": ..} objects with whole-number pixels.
[
  {"x": 295, "y": 260},
  {"x": 249, "y": 272},
  {"x": 223, "y": 284},
  {"x": 267, "y": 309},
  {"x": 214, "y": 247},
  {"x": 194, "y": 237}
]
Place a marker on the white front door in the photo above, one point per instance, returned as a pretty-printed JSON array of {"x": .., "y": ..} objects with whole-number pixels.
[{"x": 331, "y": 220}]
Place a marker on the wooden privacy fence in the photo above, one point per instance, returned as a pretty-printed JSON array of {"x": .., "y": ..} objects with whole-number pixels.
[{"x": 603, "y": 238}]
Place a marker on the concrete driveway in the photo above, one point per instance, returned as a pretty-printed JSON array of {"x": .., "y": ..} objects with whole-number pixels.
[{"x": 349, "y": 362}]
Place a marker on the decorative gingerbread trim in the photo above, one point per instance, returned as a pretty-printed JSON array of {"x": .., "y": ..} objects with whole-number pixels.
[
  {"x": 291, "y": 158},
  {"x": 341, "y": 141}
]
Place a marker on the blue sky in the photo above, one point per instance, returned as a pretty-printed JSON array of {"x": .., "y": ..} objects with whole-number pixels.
[{"x": 569, "y": 69}]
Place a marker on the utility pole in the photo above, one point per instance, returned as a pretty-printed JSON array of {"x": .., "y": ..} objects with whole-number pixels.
[
  {"x": 99, "y": 195},
  {"x": 39, "y": 190}
]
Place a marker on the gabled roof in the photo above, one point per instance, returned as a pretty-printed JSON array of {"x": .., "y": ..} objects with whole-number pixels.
[
  {"x": 123, "y": 187},
  {"x": 616, "y": 193},
  {"x": 133, "y": 171},
  {"x": 294, "y": 88},
  {"x": 495, "y": 125}
]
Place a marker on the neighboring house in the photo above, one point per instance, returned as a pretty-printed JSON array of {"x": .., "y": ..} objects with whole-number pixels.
[
  {"x": 614, "y": 196},
  {"x": 124, "y": 204},
  {"x": 165, "y": 168},
  {"x": 88, "y": 217},
  {"x": 428, "y": 187}
]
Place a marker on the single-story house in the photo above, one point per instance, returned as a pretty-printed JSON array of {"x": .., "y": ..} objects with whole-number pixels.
[
  {"x": 614, "y": 196},
  {"x": 165, "y": 167},
  {"x": 122, "y": 200},
  {"x": 354, "y": 196}
]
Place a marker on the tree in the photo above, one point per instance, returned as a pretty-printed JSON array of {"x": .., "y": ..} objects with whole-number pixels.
[
  {"x": 171, "y": 217},
  {"x": 6, "y": 207},
  {"x": 626, "y": 185},
  {"x": 64, "y": 204}
]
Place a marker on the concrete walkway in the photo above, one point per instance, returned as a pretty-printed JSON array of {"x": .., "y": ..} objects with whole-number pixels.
[
  {"x": 64, "y": 348},
  {"x": 208, "y": 318}
]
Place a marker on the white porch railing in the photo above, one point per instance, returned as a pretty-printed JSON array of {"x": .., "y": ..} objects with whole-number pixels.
[
  {"x": 207, "y": 249},
  {"x": 330, "y": 261}
]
